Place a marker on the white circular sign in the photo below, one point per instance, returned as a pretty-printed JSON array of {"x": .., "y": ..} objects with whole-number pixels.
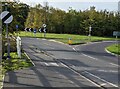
[
  {"x": 6, "y": 17},
  {"x": 44, "y": 25}
]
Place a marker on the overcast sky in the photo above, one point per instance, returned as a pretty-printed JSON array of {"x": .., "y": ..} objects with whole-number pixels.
[{"x": 111, "y": 5}]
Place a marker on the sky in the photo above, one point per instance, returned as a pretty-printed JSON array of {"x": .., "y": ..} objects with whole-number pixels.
[{"x": 110, "y": 5}]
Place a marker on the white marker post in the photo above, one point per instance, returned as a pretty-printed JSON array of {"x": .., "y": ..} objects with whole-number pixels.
[
  {"x": 90, "y": 29},
  {"x": 18, "y": 40}
]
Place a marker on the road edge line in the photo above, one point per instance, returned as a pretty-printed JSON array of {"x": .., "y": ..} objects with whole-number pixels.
[
  {"x": 111, "y": 52},
  {"x": 29, "y": 58},
  {"x": 82, "y": 75}
]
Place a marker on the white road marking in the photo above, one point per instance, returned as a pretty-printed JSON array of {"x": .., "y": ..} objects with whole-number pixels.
[
  {"x": 57, "y": 41},
  {"x": 60, "y": 43},
  {"x": 29, "y": 58},
  {"x": 44, "y": 39},
  {"x": 82, "y": 76},
  {"x": 110, "y": 52},
  {"x": 100, "y": 79},
  {"x": 103, "y": 84},
  {"x": 53, "y": 64},
  {"x": 74, "y": 49},
  {"x": 89, "y": 56},
  {"x": 114, "y": 64},
  {"x": 111, "y": 71},
  {"x": 92, "y": 43},
  {"x": 50, "y": 64}
]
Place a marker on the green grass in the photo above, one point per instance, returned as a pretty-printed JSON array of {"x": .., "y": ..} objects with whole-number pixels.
[
  {"x": 115, "y": 48},
  {"x": 1, "y": 76},
  {"x": 15, "y": 62},
  {"x": 76, "y": 39}
]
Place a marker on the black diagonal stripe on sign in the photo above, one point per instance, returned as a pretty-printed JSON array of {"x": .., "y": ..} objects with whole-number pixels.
[{"x": 6, "y": 17}]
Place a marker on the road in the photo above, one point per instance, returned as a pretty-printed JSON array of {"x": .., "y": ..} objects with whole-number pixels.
[
  {"x": 90, "y": 61},
  {"x": 61, "y": 65}
]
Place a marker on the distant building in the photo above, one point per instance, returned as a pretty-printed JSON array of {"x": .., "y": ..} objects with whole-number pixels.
[{"x": 119, "y": 6}]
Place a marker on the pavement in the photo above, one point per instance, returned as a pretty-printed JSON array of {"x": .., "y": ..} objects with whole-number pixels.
[{"x": 59, "y": 65}]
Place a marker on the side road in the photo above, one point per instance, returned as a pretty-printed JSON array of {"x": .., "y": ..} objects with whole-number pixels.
[{"x": 46, "y": 73}]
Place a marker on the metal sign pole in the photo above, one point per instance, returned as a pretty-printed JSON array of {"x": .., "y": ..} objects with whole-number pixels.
[
  {"x": 17, "y": 30},
  {"x": 44, "y": 32},
  {"x": 116, "y": 40},
  {"x": 8, "y": 41}
]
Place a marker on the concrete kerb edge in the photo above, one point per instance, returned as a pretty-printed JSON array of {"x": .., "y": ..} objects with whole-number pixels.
[
  {"x": 29, "y": 58},
  {"x": 110, "y": 52}
]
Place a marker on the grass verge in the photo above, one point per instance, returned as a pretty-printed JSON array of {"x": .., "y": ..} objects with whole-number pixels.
[
  {"x": 1, "y": 77},
  {"x": 15, "y": 62},
  {"x": 76, "y": 39},
  {"x": 12, "y": 64},
  {"x": 115, "y": 48}
]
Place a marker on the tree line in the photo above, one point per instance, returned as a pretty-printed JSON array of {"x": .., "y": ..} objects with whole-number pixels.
[{"x": 103, "y": 22}]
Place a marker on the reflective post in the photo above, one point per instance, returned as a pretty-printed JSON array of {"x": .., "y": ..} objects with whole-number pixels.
[
  {"x": 18, "y": 40},
  {"x": 90, "y": 29}
]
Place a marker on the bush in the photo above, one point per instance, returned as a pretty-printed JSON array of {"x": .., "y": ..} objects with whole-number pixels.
[{"x": 12, "y": 45}]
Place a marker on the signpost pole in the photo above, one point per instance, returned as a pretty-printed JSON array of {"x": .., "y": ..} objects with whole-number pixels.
[
  {"x": 6, "y": 17},
  {"x": 8, "y": 42},
  {"x": 44, "y": 26},
  {"x": 44, "y": 32},
  {"x": 116, "y": 40},
  {"x": 116, "y": 34},
  {"x": 17, "y": 30}
]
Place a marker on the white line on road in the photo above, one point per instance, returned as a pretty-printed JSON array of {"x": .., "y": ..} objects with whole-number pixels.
[
  {"x": 110, "y": 52},
  {"x": 103, "y": 84},
  {"x": 44, "y": 39},
  {"x": 81, "y": 75},
  {"x": 92, "y": 43},
  {"x": 100, "y": 79},
  {"x": 111, "y": 71},
  {"x": 78, "y": 73},
  {"x": 59, "y": 42},
  {"x": 29, "y": 58},
  {"x": 74, "y": 49},
  {"x": 89, "y": 56},
  {"x": 114, "y": 64}
]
